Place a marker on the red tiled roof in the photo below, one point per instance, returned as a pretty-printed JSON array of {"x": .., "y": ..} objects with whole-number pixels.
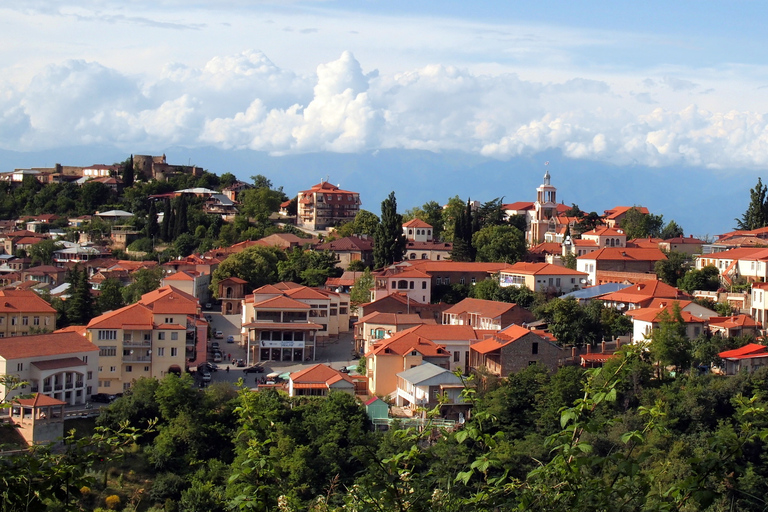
[
  {"x": 318, "y": 374},
  {"x": 416, "y": 223},
  {"x": 168, "y": 299},
  {"x": 135, "y": 314},
  {"x": 520, "y": 205},
  {"x": 281, "y": 302},
  {"x": 750, "y": 349},
  {"x": 23, "y": 301},
  {"x": 53, "y": 364},
  {"x": 407, "y": 341},
  {"x": 44, "y": 345},
  {"x": 624, "y": 254},
  {"x": 619, "y": 210},
  {"x": 654, "y": 312},
  {"x": 731, "y": 322},
  {"x": 541, "y": 269},
  {"x": 38, "y": 401},
  {"x": 430, "y": 266},
  {"x": 485, "y": 308},
  {"x": 501, "y": 339},
  {"x": 347, "y": 244}
]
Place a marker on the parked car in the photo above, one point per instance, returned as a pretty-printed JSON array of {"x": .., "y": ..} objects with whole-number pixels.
[
  {"x": 208, "y": 305},
  {"x": 206, "y": 377},
  {"x": 215, "y": 346},
  {"x": 230, "y": 339},
  {"x": 207, "y": 367},
  {"x": 217, "y": 357},
  {"x": 254, "y": 369},
  {"x": 218, "y": 335},
  {"x": 240, "y": 363}
]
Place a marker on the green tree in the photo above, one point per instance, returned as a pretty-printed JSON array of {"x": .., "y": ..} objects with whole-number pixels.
[
  {"x": 361, "y": 290},
  {"x": 672, "y": 269},
  {"x": 42, "y": 252},
  {"x": 669, "y": 343},
  {"x": 640, "y": 225},
  {"x": 144, "y": 281},
  {"x": 310, "y": 268},
  {"x": 257, "y": 265},
  {"x": 571, "y": 323},
  {"x": 80, "y": 302},
  {"x": 110, "y": 296},
  {"x": 756, "y": 215},
  {"x": 389, "y": 245},
  {"x": 451, "y": 213},
  {"x": 706, "y": 279},
  {"x": 128, "y": 172},
  {"x": 463, "y": 230},
  {"x": 671, "y": 230},
  {"x": 499, "y": 243},
  {"x": 153, "y": 228}
]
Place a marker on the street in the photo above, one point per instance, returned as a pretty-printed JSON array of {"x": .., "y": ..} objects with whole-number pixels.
[{"x": 335, "y": 352}]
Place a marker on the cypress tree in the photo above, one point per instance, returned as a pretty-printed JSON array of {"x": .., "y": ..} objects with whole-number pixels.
[
  {"x": 166, "y": 228},
  {"x": 153, "y": 229},
  {"x": 389, "y": 241}
]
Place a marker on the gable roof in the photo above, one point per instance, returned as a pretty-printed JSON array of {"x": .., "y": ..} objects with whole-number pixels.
[
  {"x": 428, "y": 373},
  {"x": 485, "y": 308},
  {"x": 503, "y": 338},
  {"x": 522, "y": 267},
  {"x": 319, "y": 374},
  {"x": 407, "y": 341},
  {"x": 624, "y": 254},
  {"x": 732, "y": 322},
  {"x": 416, "y": 223},
  {"x": 23, "y": 301},
  {"x": 654, "y": 312},
  {"x": 618, "y": 211},
  {"x": 281, "y": 302},
  {"x": 167, "y": 299},
  {"x": 642, "y": 290},
  {"x": 392, "y": 319},
  {"x": 44, "y": 345},
  {"x": 347, "y": 244},
  {"x": 137, "y": 315},
  {"x": 746, "y": 350}
]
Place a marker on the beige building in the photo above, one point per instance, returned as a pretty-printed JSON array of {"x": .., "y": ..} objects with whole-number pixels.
[
  {"x": 326, "y": 205},
  {"x": 543, "y": 277},
  {"x": 24, "y": 312},
  {"x": 62, "y": 365},
  {"x": 136, "y": 341}
]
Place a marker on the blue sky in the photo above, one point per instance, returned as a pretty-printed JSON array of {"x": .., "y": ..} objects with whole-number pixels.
[{"x": 654, "y": 84}]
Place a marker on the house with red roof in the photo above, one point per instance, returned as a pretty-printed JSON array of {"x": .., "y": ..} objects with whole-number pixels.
[
  {"x": 749, "y": 263},
  {"x": 23, "y": 312},
  {"x": 421, "y": 244},
  {"x": 402, "y": 351},
  {"x": 412, "y": 282},
  {"x": 191, "y": 282},
  {"x": 542, "y": 277},
  {"x": 619, "y": 264},
  {"x": 645, "y": 320},
  {"x": 641, "y": 294},
  {"x": 401, "y": 303},
  {"x": 377, "y": 326},
  {"x": 145, "y": 339},
  {"x": 319, "y": 380},
  {"x": 748, "y": 358},
  {"x": 456, "y": 340},
  {"x": 326, "y": 205},
  {"x": 349, "y": 249},
  {"x": 453, "y": 272},
  {"x": 62, "y": 365},
  {"x": 735, "y": 325},
  {"x": 486, "y": 314},
  {"x": 512, "y": 349},
  {"x": 604, "y": 236},
  {"x": 687, "y": 245}
]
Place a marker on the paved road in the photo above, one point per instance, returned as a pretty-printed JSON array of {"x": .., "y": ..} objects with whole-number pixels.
[{"x": 335, "y": 352}]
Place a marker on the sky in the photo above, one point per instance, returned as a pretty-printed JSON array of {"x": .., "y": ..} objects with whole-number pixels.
[{"x": 656, "y": 83}]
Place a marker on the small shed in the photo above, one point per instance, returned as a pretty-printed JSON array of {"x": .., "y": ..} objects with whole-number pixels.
[{"x": 377, "y": 409}]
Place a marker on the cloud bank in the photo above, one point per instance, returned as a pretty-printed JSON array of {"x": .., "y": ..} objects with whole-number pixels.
[{"x": 246, "y": 101}]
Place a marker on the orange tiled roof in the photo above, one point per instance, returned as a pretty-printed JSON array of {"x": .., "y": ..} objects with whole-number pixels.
[
  {"x": 416, "y": 223},
  {"x": 318, "y": 374},
  {"x": 624, "y": 254},
  {"x": 541, "y": 269},
  {"x": 407, "y": 341},
  {"x": 501, "y": 339},
  {"x": 731, "y": 322},
  {"x": 44, "y": 345},
  {"x": 39, "y": 400},
  {"x": 485, "y": 308},
  {"x": 23, "y": 301},
  {"x": 136, "y": 314},
  {"x": 281, "y": 302}
]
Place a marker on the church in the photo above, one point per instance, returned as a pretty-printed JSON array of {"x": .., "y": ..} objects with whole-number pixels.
[{"x": 545, "y": 218}]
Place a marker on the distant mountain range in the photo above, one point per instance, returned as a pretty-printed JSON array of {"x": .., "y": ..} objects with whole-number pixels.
[{"x": 704, "y": 202}]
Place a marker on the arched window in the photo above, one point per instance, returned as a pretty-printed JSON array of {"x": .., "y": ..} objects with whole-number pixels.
[
  {"x": 423, "y": 255},
  {"x": 413, "y": 255},
  {"x": 402, "y": 284}
]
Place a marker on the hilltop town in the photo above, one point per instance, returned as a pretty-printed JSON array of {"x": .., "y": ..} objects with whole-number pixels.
[{"x": 142, "y": 284}]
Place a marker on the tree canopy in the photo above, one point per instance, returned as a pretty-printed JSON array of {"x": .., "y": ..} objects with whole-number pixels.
[{"x": 389, "y": 245}]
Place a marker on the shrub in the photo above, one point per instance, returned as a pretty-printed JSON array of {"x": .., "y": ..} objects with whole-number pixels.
[{"x": 112, "y": 501}]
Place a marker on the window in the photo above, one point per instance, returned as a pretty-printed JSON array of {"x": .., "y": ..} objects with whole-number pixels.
[
  {"x": 107, "y": 351},
  {"x": 474, "y": 280},
  {"x": 113, "y": 369},
  {"x": 161, "y": 351},
  {"x": 161, "y": 335},
  {"x": 89, "y": 375},
  {"x": 169, "y": 319},
  {"x": 174, "y": 336},
  {"x": 20, "y": 367},
  {"x": 174, "y": 351},
  {"x": 456, "y": 356},
  {"x": 129, "y": 368},
  {"x": 107, "y": 335},
  {"x": 25, "y": 320},
  {"x": 85, "y": 359},
  {"x": 107, "y": 383},
  {"x": 36, "y": 320},
  {"x": 47, "y": 320},
  {"x": 534, "y": 348},
  {"x": 13, "y": 320},
  {"x": 461, "y": 281},
  {"x": 414, "y": 353},
  {"x": 423, "y": 285},
  {"x": 146, "y": 368}
]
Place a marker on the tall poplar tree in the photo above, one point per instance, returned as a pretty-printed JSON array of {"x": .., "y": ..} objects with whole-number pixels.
[
  {"x": 389, "y": 245},
  {"x": 756, "y": 215}
]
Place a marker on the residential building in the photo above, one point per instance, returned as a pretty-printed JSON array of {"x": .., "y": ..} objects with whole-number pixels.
[
  {"x": 748, "y": 263},
  {"x": 420, "y": 243},
  {"x": 604, "y": 236},
  {"x": 512, "y": 349},
  {"x": 542, "y": 277},
  {"x": 541, "y": 215},
  {"x": 734, "y": 325},
  {"x": 619, "y": 264},
  {"x": 426, "y": 386},
  {"x": 455, "y": 272},
  {"x": 377, "y": 326},
  {"x": 402, "y": 351},
  {"x": 485, "y": 314},
  {"x": 349, "y": 249},
  {"x": 137, "y": 341},
  {"x": 24, "y": 312},
  {"x": 614, "y": 216},
  {"x": 682, "y": 244},
  {"x": 190, "y": 282},
  {"x": 748, "y": 358},
  {"x": 645, "y": 320},
  {"x": 640, "y": 295},
  {"x": 326, "y": 205},
  {"x": 415, "y": 284},
  {"x": 319, "y": 380},
  {"x": 456, "y": 340},
  {"x": 60, "y": 365},
  {"x": 759, "y": 304},
  {"x": 401, "y": 303}
]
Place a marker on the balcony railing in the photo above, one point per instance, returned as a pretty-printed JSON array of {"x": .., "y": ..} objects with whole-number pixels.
[{"x": 136, "y": 358}]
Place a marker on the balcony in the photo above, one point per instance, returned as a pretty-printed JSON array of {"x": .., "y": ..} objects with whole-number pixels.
[
  {"x": 137, "y": 358},
  {"x": 137, "y": 343}
]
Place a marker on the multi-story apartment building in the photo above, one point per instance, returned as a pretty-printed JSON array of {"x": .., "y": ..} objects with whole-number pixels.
[
  {"x": 326, "y": 205},
  {"x": 146, "y": 339}
]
